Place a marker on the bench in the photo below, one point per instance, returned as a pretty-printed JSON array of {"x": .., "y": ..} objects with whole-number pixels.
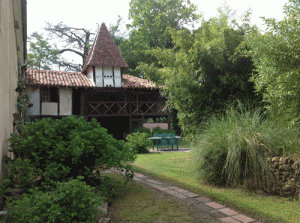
[{"x": 165, "y": 139}]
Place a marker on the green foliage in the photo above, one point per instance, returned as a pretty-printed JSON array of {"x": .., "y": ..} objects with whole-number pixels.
[
  {"x": 234, "y": 147},
  {"x": 150, "y": 20},
  {"x": 67, "y": 148},
  {"x": 138, "y": 142},
  {"x": 71, "y": 201},
  {"x": 175, "y": 122},
  {"x": 23, "y": 99},
  {"x": 22, "y": 174},
  {"x": 276, "y": 57},
  {"x": 205, "y": 68},
  {"x": 41, "y": 54},
  {"x": 143, "y": 130},
  {"x": 160, "y": 131}
]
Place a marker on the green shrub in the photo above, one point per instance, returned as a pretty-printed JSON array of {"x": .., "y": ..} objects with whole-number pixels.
[
  {"x": 71, "y": 201},
  {"x": 233, "y": 148},
  {"x": 22, "y": 174},
  {"x": 142, "y": 130},
  {"x": 67, "y": 148},
  {"x": 138, "y": 142},
  {"x": 159, "y": 130}
]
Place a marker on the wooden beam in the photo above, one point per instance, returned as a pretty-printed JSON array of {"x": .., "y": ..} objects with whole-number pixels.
[
  {"x": 82, "y": 102},
  {"x": 41, "y": 101},
  {"x": 58, "y": 100},
  {"x": 94, "y": 75},
  {"x": 130, "y": 116}
]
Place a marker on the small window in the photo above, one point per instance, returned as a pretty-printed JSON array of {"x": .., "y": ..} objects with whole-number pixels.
[{"x": 49, "y": 94}]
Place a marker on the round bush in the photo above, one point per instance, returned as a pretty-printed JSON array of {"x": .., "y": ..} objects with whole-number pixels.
[
  {"x": 138, "y": 142},
  {"x": 71, "y": 201},
  {"x": 67, "y": 148},
  {"x": 142, "y": 130}
]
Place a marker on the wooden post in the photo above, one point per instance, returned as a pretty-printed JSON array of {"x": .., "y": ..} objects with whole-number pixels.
[
  {"x": 130, "y": 116},
  {"x": 82, "y": 103}
]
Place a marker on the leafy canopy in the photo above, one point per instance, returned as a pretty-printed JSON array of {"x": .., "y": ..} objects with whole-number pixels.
[
  {"x": 148, "y": 30},
  {"x": 205, "y": 68},
  {"x": 41, "y": 54},
  {"x": 276, "y": 55}
]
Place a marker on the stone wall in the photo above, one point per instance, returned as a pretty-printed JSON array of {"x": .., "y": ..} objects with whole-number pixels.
[{"x": 285, "y": 180}]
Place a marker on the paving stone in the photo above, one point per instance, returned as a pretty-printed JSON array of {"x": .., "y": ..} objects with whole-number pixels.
[
  {"x": 182, "y": 191},
  {"x": 215, "y": 205},
  {"x": 187, "y": 193},
  {"x": 190, "y": 194},
  {"x": 203, "y": 207},
  {"x": 243, "y": 218},
  {"x": 137, "y": 179},
  {"x": 180, "y": 196},
  {"x": 202, "y": 199},
  {"x": 172, "y": 192},
  {"x": 175, "y": 188},
  {"x": 228, "y": 211},
  {"x": 192, "y": 200},
  {"x": 163, "y": 189},
  {"x": 156, "y": 186},
  {"x": 154, "y": 182},
  {"x": 217, "y": 214},
  {"x": 229, "y": 219},
  {"x": 140, "y": 175}
]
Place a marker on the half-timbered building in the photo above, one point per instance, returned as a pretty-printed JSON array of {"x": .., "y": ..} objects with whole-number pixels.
[{"x": 120, "y": 102}]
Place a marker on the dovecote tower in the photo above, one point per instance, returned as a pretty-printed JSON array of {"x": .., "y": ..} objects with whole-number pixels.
[{"x": 105, "y": 65}]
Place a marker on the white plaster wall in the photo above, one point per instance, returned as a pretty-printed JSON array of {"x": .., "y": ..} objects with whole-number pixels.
[
  {"x": 35, "y": 100},
  {"x": 65, "y": 99},
  {"x": 99, "y": 80},
  {"x": 49, "y": 108},
  {"x": 108, "y": 73},
  {"x": 108, "y": 77},
  {"x": 90, "y": 76},
  {"x": 118, "y": 79},
  {"x": 108, "y": 82},
  {"x": 117, "y": 72}
]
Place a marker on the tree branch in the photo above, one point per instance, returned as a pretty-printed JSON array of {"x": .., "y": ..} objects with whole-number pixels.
[{"x": 71, "y": 50}]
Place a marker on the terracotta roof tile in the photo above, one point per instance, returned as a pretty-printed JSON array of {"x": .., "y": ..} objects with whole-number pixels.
[
  {"x": 57, "y": 78},
  {"x": 75, "y": 79},
  {"x": 104, "y": 52},
  {"x": 136, "y": 82}
]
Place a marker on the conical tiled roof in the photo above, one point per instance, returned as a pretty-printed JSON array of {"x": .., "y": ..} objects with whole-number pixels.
[{"x": 104, "y": 52}]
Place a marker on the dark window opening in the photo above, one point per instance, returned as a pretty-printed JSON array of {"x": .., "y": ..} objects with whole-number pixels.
[{"x": 50, "y": 94}]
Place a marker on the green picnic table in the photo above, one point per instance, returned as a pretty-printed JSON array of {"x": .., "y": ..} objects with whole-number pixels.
[{"x": 164, "y": 139}]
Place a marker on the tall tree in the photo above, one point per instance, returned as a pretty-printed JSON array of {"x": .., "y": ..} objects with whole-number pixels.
[
  {"x": 75, "y": 40},
  {"x": 276, "y": 55},
  {"x": 205, "y": 68},
  {"x": 41, "y": 54},
  {"x": 148, "y": 30}
]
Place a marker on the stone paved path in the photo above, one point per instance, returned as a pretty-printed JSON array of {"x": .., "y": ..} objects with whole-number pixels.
[{"x": 219, "y": 212}]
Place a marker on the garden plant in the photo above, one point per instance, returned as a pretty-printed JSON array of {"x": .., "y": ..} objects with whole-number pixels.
[{"x": 50, "y": 153}]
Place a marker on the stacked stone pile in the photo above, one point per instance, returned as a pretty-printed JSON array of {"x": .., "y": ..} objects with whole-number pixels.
[{"x": 285, "y": 180}]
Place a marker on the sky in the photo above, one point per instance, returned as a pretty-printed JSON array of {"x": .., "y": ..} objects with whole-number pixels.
[{"x": 89, "y": 13}]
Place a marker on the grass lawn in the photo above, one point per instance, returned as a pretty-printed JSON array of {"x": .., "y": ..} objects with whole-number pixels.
[
  {"x": 139, "y": 203},
  {"x": 177, "y": 167}
]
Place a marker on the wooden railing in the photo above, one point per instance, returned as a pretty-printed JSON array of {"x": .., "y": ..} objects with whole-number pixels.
[{"x": 118, "y": 108}]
